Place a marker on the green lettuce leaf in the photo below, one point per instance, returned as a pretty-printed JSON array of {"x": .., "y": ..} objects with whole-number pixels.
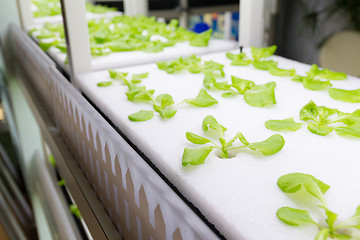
[
  {"x": 270, "y": 146},
  {"x": 293, "y": 182},
  {"x": 203, "y": 99},
  {"x": 195, "y": 156},
  {"x": 281, "y": 125},
  {"x": 196, "y": 139},
  {"x": 261, "y": 95},
  {"x": 141, "y": 115},
  {"x": 259, "y": 53},
  {"x": 294, "y": 217},
  {"x": 350, "y": 96}
]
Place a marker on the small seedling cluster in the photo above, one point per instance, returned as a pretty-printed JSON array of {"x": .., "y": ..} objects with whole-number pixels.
[
  {"x": 254, "y": 95},
  {"x": 162, "y": 104},
  {"x": 269, "y": 146},
  {"x": 321, "y": 120},
  {"x": 294, "y": 182},
  {"x": 123, "y": 33}
]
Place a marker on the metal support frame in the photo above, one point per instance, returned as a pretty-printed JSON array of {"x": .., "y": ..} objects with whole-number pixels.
[
  {"x": 184, "y": 15},
  {"x": 25, "y": 13},
  {"x": 251, "y": 26},
  {"x": 136, "y": 7},
  {"x": 77, "y": 37}
]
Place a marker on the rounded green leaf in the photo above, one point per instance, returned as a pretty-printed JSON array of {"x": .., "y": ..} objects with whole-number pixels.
[
  {"x": 336, "y": 75},
  {"x": 281, "y": 125},
  {"x": 309, "y": 112},
  {"x": 349, "y": 130},
  {"x": 270, "y": 146},
  {"x": 196, "y": 139},
  {"x": 165, "y": 113},
  {"x": 350, "y": 96},
  {"x": 259, "y": 53},
  {"x": 46, "y": 45},
  {"x": 240, "y": 62},
  {"x": 141, "y": 115},
  {"x": 315, "y": 84},
  {"x": 195, "y": 156},
  {"x": 222, "y": 85},
  {"x": 230, "y": 55},
  {"x": 241, "y": 85},
  {"x": 211, "y": 122},
  {"x": 120, "y": 46},
  {"x": 281, "y": 72},
  {"x": 165, "y": 100},
  {"x": 318, "y": 129},
  {"x": 144, "y": 95},
  {"x": 293, "y": 216},
  {"x": 104, "y": 84},
  {"x": 203, "y": 99},
  {"x": 140, "y": 75},
  {"x": 264, "y": 65},
  {"x": 293, "y": 182},
  {"x": 261, "y": 95}
]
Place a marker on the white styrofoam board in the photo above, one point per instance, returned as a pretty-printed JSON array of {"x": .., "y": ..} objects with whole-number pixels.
[
  {"x": 124, "y": 59},
  {"x": 239, "y": 195}
]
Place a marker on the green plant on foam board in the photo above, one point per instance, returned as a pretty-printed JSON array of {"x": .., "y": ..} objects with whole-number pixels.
[
  {"x": 197, "y": 156},
  {"x": 254, "y": 95},
  {"x": 258, "y": 56},
  {"x": 124, "y": 33},
  {"x": 315, "y": 79},
  {"x": 296, "y": 182},
  {"x": 321, "y": 120},
  {"x": 192, "y": 64},
  {"x": 162, "y": 104}
]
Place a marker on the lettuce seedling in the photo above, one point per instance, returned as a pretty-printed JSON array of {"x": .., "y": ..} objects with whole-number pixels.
[
  {"x": 317, "y": 79},
  {"x": 162, "y": 104},
  {"x": 254, "y": 95},
  {"x": 201, "y": 39},
  {"x": 238, "y": 59},
  {"x": 198, "y": 156},
  {"x": 325, "y": 73},
  {"x": 321, "y": 120},
  {"x": 260, "y": 53},
  {"x": 258, "y": 56},
  {"x": 294, "y": 182},
  {"x": 126, "y": 33},
  {"x": 192, "y": 64}
]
